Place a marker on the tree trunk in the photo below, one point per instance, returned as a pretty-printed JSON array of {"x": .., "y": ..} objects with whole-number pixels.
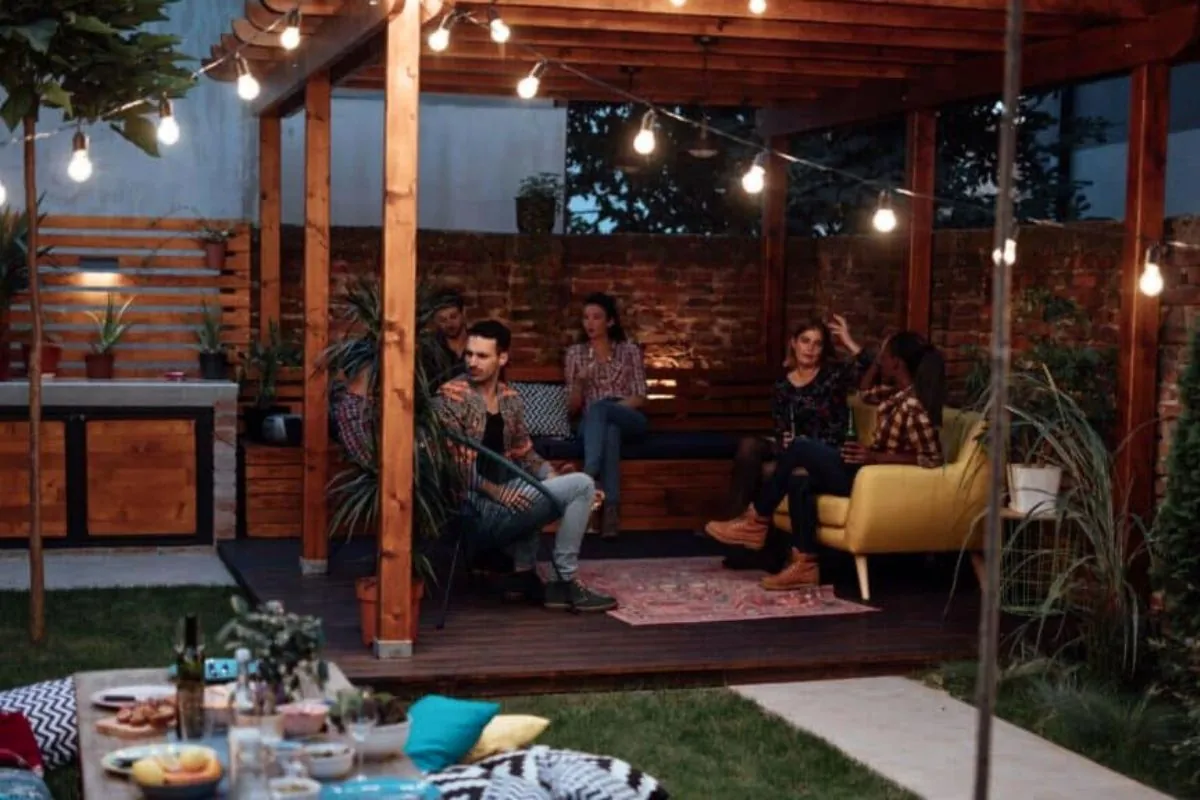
[{"x": 37, "y": 589}]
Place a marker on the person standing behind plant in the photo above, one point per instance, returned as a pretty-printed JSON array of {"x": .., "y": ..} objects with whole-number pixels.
[
  {"x": 606, "y": 381},
  {"x": 450, "y": 334}
]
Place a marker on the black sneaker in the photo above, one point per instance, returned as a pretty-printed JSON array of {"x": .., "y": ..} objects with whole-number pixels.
[
  {"x": 575, "y": 596},
  {"x": 523, "y": 586}
]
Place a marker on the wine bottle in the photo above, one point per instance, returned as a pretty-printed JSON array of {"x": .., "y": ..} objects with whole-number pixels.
[
  {"x": 189, "y": 682},
  {"x": 851, "y": 427}
]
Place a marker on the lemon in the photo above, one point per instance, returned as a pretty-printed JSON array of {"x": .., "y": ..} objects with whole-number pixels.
[
  {"x": 193, "y": 759},
  {"x": 148, "y": 772}
]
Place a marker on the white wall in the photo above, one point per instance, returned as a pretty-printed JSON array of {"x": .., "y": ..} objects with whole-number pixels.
[
  {"x": 473, "y": 154},
  {"x": 206, "y": 174}
]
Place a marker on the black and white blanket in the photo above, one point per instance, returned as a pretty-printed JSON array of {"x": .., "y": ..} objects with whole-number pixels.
[{"x": 542, "y": 773}]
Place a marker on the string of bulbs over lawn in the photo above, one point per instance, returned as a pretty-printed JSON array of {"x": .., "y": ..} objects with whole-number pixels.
[{"x": 753, "y": 181}]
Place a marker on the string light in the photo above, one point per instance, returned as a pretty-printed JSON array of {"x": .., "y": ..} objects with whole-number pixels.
[
  {"x": 679, "y": 3},
  {"x": 758, "y": 7},
  {"x": 439, "y": 38},
  {"x": 644, "y": 142},
  {"x": 500, "y": 32},
  {"x": 79, "y": 168},
  {"x": 756, "y": 177},
  {"x": 1010, "y": 252},
  {"x": 885, "y": 218},
  {"x": 247, "y": 86},
  {"x": 1151, "y": 281},
  {"x": 290, "y": 38},
  {"x": 527, "y": 87},
  {"x": 3, "y": 194},
  {"x": 168, "y": 126}
]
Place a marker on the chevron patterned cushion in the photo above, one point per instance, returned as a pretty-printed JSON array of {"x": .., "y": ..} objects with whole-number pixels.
[
  {"x": 542, "y": 773},
  {"x": 545, "y": 408},
  {"x": 50, "y": 708}
]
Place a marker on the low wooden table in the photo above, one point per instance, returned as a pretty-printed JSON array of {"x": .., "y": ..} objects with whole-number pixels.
[{"x": 100, "y": 785}]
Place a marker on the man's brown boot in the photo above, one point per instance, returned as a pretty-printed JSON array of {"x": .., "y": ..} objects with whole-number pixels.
[
  {"x": 749, "y": 530},
  {"x": 801, "y": 572}
]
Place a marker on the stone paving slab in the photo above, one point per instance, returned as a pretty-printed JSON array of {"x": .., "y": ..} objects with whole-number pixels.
[
  {"x": 111, "y": 569},
  {"x": 924, "y": 740}
]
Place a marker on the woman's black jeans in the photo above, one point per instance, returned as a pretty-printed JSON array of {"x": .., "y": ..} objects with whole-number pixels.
[{"x": 827, "y": 474}]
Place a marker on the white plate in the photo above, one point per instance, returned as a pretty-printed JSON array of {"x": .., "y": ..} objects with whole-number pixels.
[
  {"x": 120, "y": 762},
  {"x": 120, "y": 696}
]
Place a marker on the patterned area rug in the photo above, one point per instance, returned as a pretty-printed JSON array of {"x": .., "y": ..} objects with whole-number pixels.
[{"x": 683, "y": 591}]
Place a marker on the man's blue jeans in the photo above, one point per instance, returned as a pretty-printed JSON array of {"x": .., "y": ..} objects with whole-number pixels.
[{"x": 604, "y": 425}]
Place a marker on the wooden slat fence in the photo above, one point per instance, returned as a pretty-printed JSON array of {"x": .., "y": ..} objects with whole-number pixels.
[{"x": 160, "y": 263}]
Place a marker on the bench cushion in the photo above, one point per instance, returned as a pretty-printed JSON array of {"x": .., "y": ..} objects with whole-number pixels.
[{"x": 654, "y": 446}]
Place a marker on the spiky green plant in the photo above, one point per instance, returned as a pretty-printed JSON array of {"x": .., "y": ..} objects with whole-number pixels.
[
  {"x": 208, "y": 332},
  {"x": 265, "y": 359},
  {"x": 110, "y": 327}
]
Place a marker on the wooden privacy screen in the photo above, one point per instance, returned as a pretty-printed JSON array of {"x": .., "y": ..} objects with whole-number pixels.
[{"x": 160, "y": 264}]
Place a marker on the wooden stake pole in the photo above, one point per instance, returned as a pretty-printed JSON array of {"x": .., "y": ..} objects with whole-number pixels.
[
  {"x": 1003, "y": 255},
  {"x": 37, "y": 577}
]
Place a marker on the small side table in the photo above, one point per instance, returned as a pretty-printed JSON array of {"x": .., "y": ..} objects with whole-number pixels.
[{"x": 1007, "y": 517}]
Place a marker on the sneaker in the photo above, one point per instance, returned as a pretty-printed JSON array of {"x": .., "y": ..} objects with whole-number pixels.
[
  {"x": 524, "y": 585},
  {"x": 575, "y": 596},
  {"x": 749, "y": 530},
  {"x": 802, "y": 572}
]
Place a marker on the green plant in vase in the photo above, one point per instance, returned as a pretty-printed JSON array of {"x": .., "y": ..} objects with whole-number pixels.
[
  {"x": 216, "y": 246},
  {"x": 110, "y": 328},
  {"x": 214, "y": 366},
  {"x": 14, "y": 272},
  {"x": 287, "y": 648},
  {"x": 263, "y": 364},
  {"x": 538, "y": 199}
]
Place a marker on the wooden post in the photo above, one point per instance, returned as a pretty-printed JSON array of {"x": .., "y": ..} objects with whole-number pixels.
[
  {"x": 317, "y": 104},
  {"x": 270, "y": 216},
  {"x": 1145, "y": 197},
  {"x": 399, "y": 298},
  {"x": 37, "y": 565},
  {"x": 774, "y": 256},
  {"x": 920, "y": 167}
]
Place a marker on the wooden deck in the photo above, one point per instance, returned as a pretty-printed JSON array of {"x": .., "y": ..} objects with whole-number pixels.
[{"x": 488, "y": 648}]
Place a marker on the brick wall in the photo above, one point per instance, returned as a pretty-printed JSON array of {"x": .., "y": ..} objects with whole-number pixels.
[{"x": 1181, "y": 318}]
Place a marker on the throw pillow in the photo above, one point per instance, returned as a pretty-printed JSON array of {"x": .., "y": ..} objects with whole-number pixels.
[
  {"x": 443, "y": 729},
  {"x": 507, "y": 732},
  {"x": 545, "y": 408},
  {"x": 50, "y": 708}
]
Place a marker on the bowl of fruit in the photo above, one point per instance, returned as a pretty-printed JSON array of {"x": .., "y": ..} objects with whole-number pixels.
[{"x": 186, "y": 773}]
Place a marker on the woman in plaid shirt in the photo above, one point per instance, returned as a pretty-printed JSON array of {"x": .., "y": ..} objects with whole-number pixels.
[{"x": 910, "y": 400}]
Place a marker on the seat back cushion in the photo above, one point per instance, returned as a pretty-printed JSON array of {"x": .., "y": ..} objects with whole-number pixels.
[{"x": 50, "y": 708}]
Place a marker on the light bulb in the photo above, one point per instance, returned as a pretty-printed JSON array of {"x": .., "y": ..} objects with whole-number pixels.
[
  {"x": 3, "y": 194},
  {"x": 1009, "y": 255},
  {"x": 168, "y": 130},
  {"x": 755, "y": 179},
  {"x": 644, "y": 142},
  {"x": 1151, "y": 281},
  {"x": 500, "y": 31},
  {"x": 80, "y": 166},
  {"x": 527, "y": 87},
  {"x": 758, "y": 6},
  {"x": 439, "y": 40},
  {"x": 679, "y": 3},
  {"x": 290, "y": 38},
  {"x": 884, "y": 220},
  {"x": 247, "y": 86}
]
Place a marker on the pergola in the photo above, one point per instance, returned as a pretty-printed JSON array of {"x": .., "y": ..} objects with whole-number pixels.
[{"x": 808, "y": 64}]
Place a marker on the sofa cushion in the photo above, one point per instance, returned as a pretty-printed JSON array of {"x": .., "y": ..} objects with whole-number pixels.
[
  {"x": 50, "y": 708},
  {"x": 653, "y": 446},
  {"x": 545, "y": 408}
]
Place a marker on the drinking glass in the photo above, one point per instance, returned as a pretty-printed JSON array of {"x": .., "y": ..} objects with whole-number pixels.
[{"x": 361, "y": 717}]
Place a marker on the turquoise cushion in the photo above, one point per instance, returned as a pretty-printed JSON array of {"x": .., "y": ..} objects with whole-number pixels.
[{"x": 443, "y": 729}]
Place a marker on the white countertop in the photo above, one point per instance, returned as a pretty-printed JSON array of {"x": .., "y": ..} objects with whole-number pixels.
[{"x": 77, "y": 392}]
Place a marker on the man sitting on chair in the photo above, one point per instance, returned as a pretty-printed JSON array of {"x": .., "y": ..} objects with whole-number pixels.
[{"x": 482, "y": 408}]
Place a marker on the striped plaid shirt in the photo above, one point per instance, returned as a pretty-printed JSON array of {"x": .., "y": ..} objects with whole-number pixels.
[
  {"x": 622, "y": 375},
  {"x": 903, "y": 425}
]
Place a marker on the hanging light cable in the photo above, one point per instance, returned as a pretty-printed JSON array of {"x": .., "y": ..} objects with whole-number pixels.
[
  {"x": 290, "y": 38},
  {"x": 499, "y": 31},
  {"x": 756, "y": 177},
  {"x": 527, "y": 87},
  {"x": 168, "y": 126},
  {"x": 247, "y": 86},
  {"x": 79, "y": 168},
  {"x": 885, "y": 218},
  {"x": 439, "y": 38},
  {"x": 1151, "y": 281},
  {"x": 644, "y": 142}
]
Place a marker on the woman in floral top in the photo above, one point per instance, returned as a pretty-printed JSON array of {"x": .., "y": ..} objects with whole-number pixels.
[{"x": 607, "y": 383}]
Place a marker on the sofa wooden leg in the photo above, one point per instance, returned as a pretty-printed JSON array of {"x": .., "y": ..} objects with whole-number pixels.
[{"x": 864, "y": 585}]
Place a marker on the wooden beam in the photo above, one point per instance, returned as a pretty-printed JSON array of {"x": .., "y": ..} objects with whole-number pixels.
[
  {"x": 774, "y": 249},
  {"x": 399, "y": 299},
  {"x": 1140, "y": 320},
  {"x": 586, "y": 92},
  {"x": 1092, "y": 54},
  {"x": 318, "y": 97},
  {"x": 920, "y": 168},
  {"x": 270, "y": 218},
  {"x": 510, "y": 72}
]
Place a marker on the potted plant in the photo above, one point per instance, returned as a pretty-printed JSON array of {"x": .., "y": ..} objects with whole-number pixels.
[
  {"x": 14, "y": 274},
  {"x": 110, "y": 328},
  {"x": 286, "y": 649},
  {"x": 51, "y": 354},
  {"x": 354, "y": 360},
  {"x": 537, "y": 202},
  {"x": 213, "y": 364},
  {"x": 216, "y": 246},
  {"x": 263, "y": 364}
]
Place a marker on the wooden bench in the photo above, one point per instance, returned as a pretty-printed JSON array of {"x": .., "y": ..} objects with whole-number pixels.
[{"x": 657, "y": 494}]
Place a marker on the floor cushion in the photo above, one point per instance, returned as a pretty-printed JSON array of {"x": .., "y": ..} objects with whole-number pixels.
[
  {"x": 543, "y": 773},
  {"x": 50, "y": 708}
]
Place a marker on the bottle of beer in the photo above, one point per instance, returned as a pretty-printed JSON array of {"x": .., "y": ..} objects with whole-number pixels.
[
  {"x": 851, "y": 427},
  {"x": 189, "y": 682}
]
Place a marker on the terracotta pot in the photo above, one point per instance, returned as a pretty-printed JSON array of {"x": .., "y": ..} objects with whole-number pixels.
[
  {"x": 214, "y": 254},
  {"x": 368, "y": 608},
  {"x": 98, "y": 366},
  {"x": 51, "y": 355}
]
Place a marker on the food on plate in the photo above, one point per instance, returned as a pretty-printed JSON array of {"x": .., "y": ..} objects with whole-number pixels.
[
  {"x": 148, "y": 713},
  {"x": 148, "y": 772},
  {"x": 191, "y": 765}
]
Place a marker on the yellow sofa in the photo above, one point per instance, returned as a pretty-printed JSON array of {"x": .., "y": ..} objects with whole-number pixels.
[{"x": 908, "y": 509}]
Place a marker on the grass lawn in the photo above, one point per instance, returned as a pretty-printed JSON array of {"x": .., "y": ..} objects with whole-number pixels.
[{"x": 709, "y": 744}]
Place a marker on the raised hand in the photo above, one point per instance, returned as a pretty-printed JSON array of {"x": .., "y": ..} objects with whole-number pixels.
[{"x": 841, "y": 333}]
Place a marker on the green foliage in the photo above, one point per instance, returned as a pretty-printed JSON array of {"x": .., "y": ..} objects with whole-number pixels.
[
  {"x": 543, "y": 185},
  {"x": 265, "y": 359},
  {"x": 208, "y": 333},
  {"x": 14, "y": 249},
  {"x": 110, "y": 328},
  {"x": 87, "y": 57},
  {"x": 286, "y": 646}
]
